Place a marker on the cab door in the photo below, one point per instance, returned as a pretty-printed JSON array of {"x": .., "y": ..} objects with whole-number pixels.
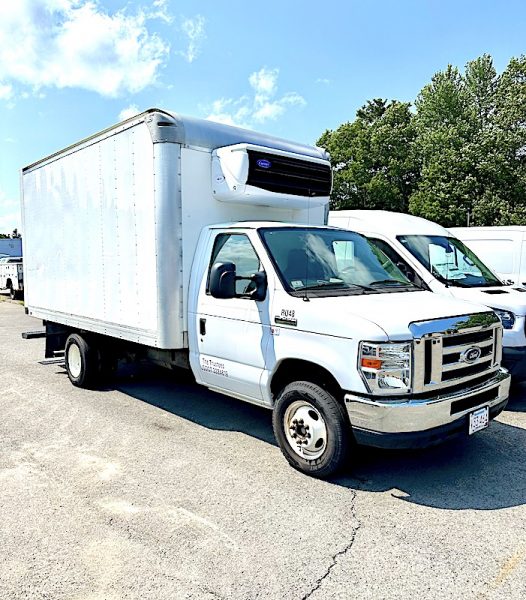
[{"x": 232, "y": 334}]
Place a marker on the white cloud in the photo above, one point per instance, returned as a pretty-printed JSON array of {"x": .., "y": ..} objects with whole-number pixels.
[
  {"x": 6, "y": 91},
  {"x": 264, "y": 82},
  {"x": 323, "y": 80},
  {"x": 129, "y": 111},
  {"x": 9, "y": 213},
  {"x": 194, "y": 30},
  {"x": 78, "y": 43},
  {"x": 261, "y": 106}
]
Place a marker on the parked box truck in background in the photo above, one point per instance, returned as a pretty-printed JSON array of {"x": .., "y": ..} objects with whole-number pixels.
[
  {"x": 199, "y": 245},
  {"x": 426, "y": 250},
  {"x": 12, "y": 276},
  {"x": 501, "y": 248}
]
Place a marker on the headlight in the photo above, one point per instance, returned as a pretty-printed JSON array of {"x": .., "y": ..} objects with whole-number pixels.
[
  {"x": 506, "y": 317},
  {"x": 386, "y": 367}
]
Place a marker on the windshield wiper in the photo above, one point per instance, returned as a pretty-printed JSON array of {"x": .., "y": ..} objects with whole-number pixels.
[
  {"x": 391, "y": 282},
  {"x": 342, "y": 285}
]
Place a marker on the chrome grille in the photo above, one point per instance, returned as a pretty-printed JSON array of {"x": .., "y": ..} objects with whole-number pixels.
[{"x": 449, "y": 352}]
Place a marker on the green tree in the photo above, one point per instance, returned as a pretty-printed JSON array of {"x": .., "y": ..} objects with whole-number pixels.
[
  {"x": 373, "y": 162},
  {"x": 444, "y": 126},
  {"x": 470, "y": 135}
]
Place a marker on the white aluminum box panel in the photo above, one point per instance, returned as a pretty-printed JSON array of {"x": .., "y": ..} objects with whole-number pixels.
[{"x": 94, "y": 255}]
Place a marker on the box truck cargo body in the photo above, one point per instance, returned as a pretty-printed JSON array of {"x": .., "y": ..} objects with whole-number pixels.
[
  {"x": 196, "y": 244},
  {"x": 115, "y": 218}
]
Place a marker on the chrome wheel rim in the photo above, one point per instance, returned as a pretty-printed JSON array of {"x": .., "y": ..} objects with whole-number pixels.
[
  {"x": 74, "y": 360},
  {"x": 305, "y": 430}
]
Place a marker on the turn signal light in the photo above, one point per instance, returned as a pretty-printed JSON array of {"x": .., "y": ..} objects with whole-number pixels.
[{"x": 371, "y": 363}]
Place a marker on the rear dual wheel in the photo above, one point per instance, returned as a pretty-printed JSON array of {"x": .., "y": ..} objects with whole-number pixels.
[
  {"x": 87, "y": 364},
  {"x": 312, "y": 429}
]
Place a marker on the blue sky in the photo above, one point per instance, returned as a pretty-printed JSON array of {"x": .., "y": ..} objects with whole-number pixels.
[{"x": 292, "y": 68}]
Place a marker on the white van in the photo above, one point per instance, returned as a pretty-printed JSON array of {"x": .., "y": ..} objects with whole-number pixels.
[
  {"x": 430, "y": 254},
  {"x": 502, "y": 248}
]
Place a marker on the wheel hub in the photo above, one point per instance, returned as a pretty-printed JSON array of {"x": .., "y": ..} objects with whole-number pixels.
[
  {"x": 74, "y": 360},
  {"x": 305, "y": 429}
]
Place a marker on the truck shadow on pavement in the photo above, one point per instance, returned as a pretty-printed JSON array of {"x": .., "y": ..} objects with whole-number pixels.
[{"x": 486, "y": 472}]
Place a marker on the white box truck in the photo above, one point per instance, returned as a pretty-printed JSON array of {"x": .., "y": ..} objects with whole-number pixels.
[
  {"x": 502, "y": 247},
  {"x": 12, "y": 276},
  {"x": 196, "y": 244},
  {"x": 427, "y": 251}
]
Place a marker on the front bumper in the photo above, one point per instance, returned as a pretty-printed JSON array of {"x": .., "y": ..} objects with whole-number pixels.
[
  {"x": 417, "y": 423},
  {"x": 514, "y": 359}
]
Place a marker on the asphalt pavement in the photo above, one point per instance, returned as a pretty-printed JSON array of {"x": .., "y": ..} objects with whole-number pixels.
[{"x": 156, "y": 488}]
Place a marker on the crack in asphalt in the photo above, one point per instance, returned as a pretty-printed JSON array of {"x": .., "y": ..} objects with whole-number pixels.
[{"x": 334, "y": 558}]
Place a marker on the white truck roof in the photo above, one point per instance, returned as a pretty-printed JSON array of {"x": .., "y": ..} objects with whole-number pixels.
[
  {"x": 383, "y": 221},
  {"x": 168, "y": 126}
]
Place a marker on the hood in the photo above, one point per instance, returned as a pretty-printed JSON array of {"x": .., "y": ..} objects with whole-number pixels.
[
  {"x": 374, "y": 317},
  {"x": 503, "y": 297}
]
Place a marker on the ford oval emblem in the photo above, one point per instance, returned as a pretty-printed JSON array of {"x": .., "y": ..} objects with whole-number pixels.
[
  {"x": 264, "y": 163},
  {"x": 470, "y": 355}
]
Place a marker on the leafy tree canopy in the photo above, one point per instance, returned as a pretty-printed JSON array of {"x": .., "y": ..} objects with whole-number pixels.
[{"x": 457, "y": 153}]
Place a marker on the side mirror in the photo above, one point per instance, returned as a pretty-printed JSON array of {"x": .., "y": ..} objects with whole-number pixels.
[
  {"x": 260, "y": 280},
  {"x": 223, "y": 280}
]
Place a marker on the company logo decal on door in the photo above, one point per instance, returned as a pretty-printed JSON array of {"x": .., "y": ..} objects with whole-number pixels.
[{"x": 213, "y": 366}]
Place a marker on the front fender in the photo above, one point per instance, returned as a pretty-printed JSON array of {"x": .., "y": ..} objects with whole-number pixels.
[{"x": 337, "y": 355}]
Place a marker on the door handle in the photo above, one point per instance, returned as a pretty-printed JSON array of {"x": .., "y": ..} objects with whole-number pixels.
[{"x": 202, "y": 326}]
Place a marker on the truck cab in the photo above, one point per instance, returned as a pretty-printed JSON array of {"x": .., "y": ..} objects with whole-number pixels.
[
  {"x": 306, "y": 320},
  {"x": 433, "y": 255}
]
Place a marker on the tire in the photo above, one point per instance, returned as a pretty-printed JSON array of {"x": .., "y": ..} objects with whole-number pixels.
[
  {"x": 82, "y": 362},
  {"x": 306, "y": 413},
  {"x": 108, "y": 364}
]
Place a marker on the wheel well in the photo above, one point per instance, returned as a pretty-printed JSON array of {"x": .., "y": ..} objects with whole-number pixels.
[{"x": 302, "y": 370}]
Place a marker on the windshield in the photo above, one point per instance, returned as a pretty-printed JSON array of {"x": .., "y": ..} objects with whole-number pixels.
[
  {"x": 449, "y": 260},
  {"x": 331, "y": 261}
]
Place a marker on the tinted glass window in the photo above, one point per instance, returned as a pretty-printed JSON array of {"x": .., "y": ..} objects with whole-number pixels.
[
  {"x": 324, "y": 260},
  {"x": 236, "y": 248},
  {"x": 449, "y": 260}
]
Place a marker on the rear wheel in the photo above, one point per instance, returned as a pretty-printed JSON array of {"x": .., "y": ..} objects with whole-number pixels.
[
  {"x": 312, "y": 429},
  {"x": 82, "y": 361}
]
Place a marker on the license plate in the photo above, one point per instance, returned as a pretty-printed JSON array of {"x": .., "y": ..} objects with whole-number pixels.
[{"x": 478, "y": 419}]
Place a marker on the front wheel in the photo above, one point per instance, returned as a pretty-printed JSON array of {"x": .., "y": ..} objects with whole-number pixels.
[{"x": 312, "y": 429}]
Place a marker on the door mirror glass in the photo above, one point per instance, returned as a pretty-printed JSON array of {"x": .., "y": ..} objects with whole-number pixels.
[{"x": 223, "y": 280}]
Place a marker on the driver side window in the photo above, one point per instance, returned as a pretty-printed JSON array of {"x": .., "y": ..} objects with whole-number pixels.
[{"x": 236, "y": 248}]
